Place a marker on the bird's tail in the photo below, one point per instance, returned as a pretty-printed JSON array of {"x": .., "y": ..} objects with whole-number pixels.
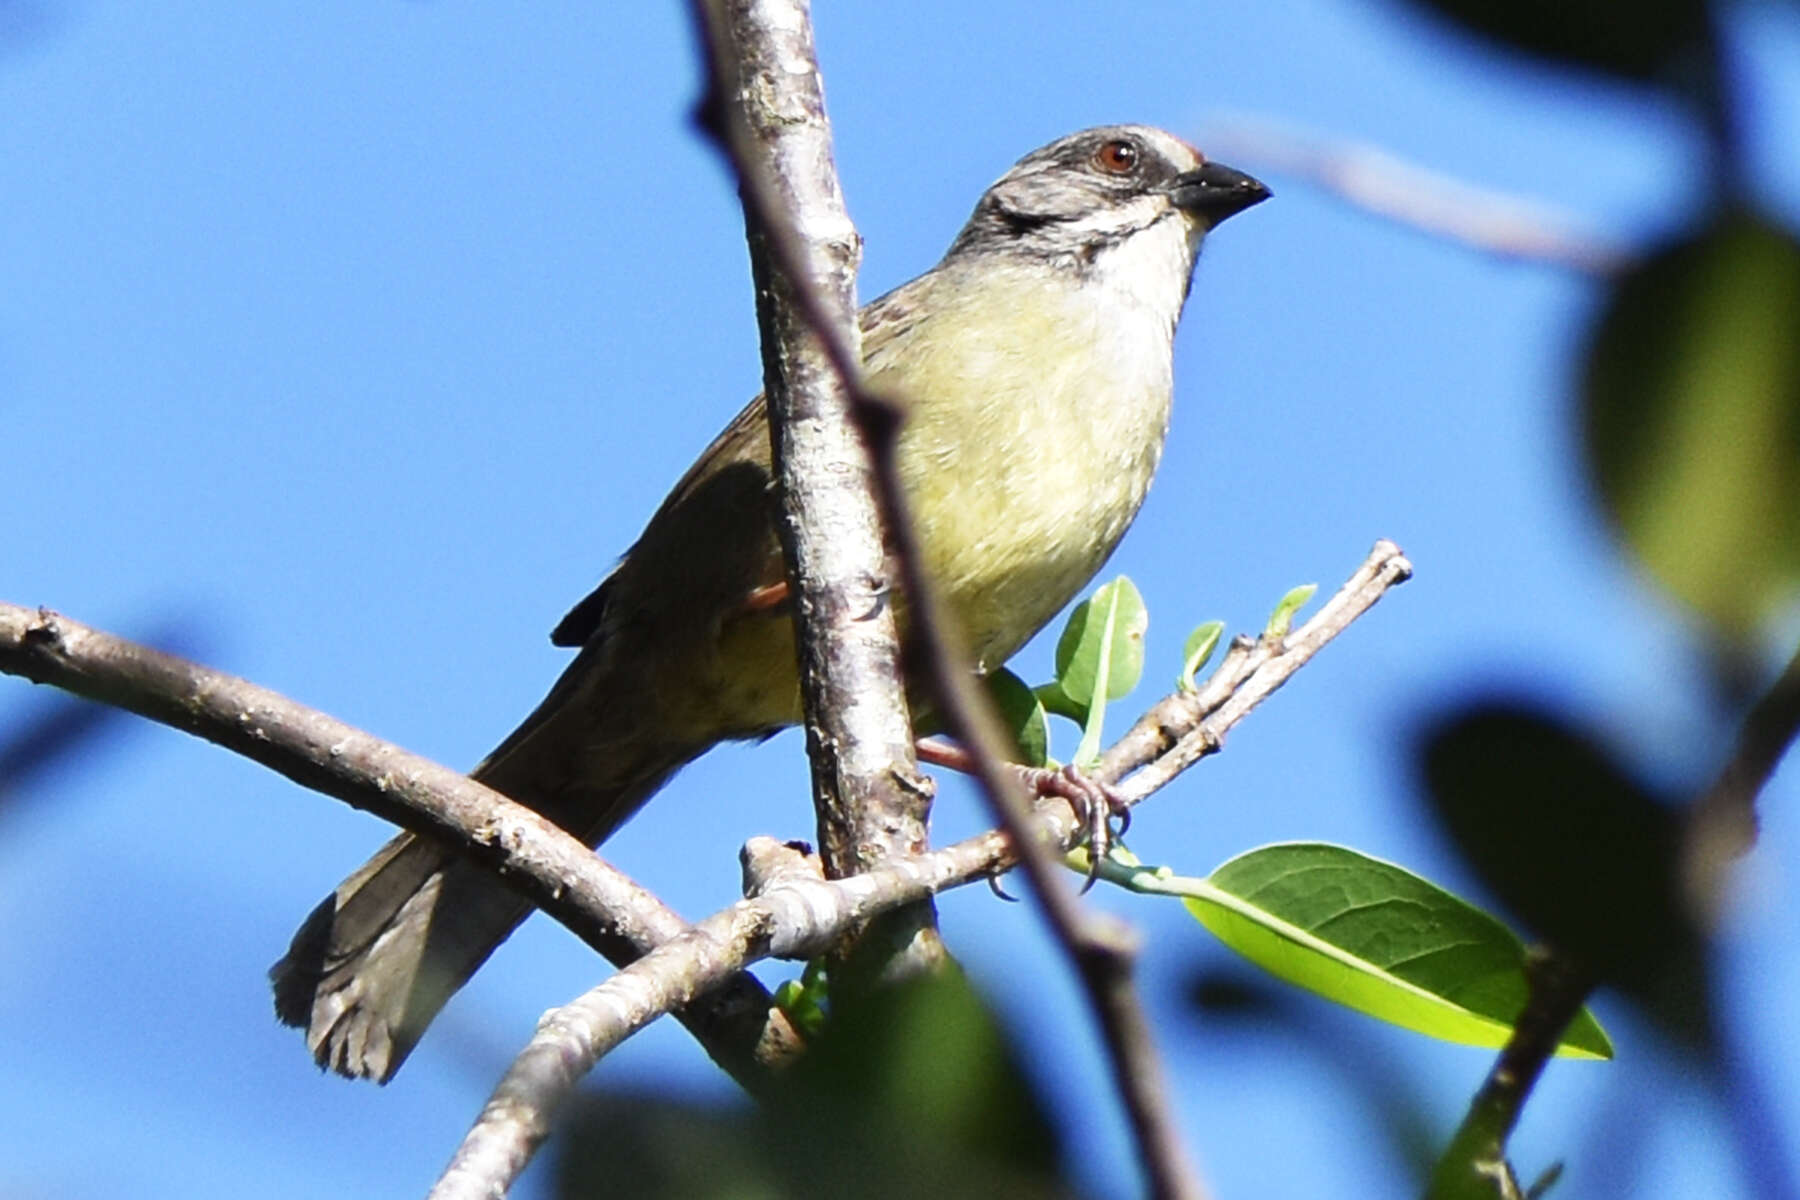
[{"x": 373, "y": 964}]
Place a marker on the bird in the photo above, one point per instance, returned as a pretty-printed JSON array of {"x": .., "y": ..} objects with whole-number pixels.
[{"x": 1033, "y": 366}]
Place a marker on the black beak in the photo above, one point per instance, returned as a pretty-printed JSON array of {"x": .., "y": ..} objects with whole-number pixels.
[{"x": 1216, "y": 191}]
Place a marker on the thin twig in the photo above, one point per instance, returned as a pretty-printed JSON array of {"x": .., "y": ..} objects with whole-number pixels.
[
  {"x": 738, "y": 1026},
  {"x": 1250, "y": 672},
  {"x": 1722, "y": 826},
  {"x": 792, "y": 920},
  {"x": 873, "y": 803},
  {"x": 1474, "y": 1165},
  {"x": 1380, "y": 182}
]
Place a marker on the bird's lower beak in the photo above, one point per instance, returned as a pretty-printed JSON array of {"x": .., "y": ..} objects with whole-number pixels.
[{"x": 1216, "y": 191}]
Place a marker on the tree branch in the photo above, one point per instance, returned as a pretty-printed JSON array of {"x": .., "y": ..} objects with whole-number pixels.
[
  {"x": 606, "y": 909},
  {"x": 1723, "y": 826},
  {"x": 794, "y": 919},
  {"x": 1380, "y": 182},
  {"x": 1187, "y": 726},
  {"x": 1720, "y": 828},
  {"x": 1474, "y": 1165},
  {"x": 872, "y": 801}
]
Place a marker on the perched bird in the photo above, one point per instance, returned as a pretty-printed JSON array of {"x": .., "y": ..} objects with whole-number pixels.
[{"x": 1034, "y": 366}]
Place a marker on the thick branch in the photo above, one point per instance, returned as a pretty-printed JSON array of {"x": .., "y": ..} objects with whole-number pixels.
[
  {"x": 794, "y": 919},
  {"x": 872, "y": 801},
  {"x": 555, "y": 871}
]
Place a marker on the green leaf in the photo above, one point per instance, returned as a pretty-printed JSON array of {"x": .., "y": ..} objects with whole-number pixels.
[
  {"x": 1100, "y": 656},
  {"x": 1282, "y": 619},
  {"x": 1643, "y": 41},
  {"x": 1692, "y": 419},
  {"x": 1199, "y": 648},
  {"x": 914, "y": 1089},
  {"x": 1055, "y": 700},
  {"x": 1103, "y": 642},
  {"x": 1373, "y": 937},
  {"x": 1023, "y": 714}
]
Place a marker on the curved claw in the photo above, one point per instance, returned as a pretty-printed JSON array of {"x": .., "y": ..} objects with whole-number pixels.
[
  {"x": 994, "y": 887},
  {"x": 1095, "y": 803}
]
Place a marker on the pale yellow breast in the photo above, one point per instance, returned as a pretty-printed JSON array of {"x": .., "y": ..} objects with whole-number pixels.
[{"x": 1036, "y": 417}]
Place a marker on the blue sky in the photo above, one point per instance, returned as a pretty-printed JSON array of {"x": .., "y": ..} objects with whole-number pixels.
[{"x": 351, "y": 344}]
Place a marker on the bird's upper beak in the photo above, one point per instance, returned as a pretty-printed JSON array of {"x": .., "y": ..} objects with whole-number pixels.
[{"x": 1215, "y": 191}]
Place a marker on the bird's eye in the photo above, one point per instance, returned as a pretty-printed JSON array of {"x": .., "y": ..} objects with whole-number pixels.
[{"x": 1118, "y": 157}]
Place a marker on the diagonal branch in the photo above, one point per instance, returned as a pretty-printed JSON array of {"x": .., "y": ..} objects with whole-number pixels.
[
  {"x": 1474, "y": 1164},
  {"x": 605, "y": 908},
  {"x": 1720, "y": 827},
  {"x": 1723, "y": 824},
  {"x": 1380, "y": 182},
  {"x": 794, "y": 919}
]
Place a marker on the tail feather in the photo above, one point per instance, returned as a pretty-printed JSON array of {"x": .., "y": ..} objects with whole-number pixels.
[{"x": 374, "y": 963}]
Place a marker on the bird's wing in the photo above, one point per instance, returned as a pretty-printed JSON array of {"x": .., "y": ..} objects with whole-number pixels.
[{"x": 745, "y": 440}]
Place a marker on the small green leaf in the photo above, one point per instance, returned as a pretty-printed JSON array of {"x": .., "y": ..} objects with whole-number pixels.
[
  {"x": 804, "y": 999},
  {"x": 1023, "y": 714},
  {"x": 1100, "y": 656},
  {"x": 917, "y": 1080},
  {"x": 1282, "y": 619},
  {"x": 1200, "y": 646},
  {"x": 1104, "y": 638},
  {"x": 1373, "y": 937}
]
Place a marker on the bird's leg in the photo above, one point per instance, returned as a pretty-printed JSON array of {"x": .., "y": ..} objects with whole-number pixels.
[{"x": 1096, "y": 804}]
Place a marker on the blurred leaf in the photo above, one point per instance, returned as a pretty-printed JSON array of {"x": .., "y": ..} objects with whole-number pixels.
[
  {"x": 62, "y": 729},
  {"x": 1282, "y": 619},
  {"x": 1692, "y": 415},
  {"x": 913, "y": 1092},
  {"x": 1583, "y": 854},
  {"x": 652, "y": 1147},
  {"x": 1023, "y": 714},
  {"x": 1376, "y": 938},
  {"x": 1103, "y": 642},
  {"x": 1644, "y": 41},
  {"x": 1199, "y": 648},
  {"x": 913, "y": 1075}
]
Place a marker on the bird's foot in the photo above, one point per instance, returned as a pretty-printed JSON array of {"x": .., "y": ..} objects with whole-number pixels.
[{"x": 1097, "y": 805}]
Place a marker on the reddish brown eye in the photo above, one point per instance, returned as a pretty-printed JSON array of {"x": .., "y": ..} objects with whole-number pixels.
[{"x": 1119, "y": 157}]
